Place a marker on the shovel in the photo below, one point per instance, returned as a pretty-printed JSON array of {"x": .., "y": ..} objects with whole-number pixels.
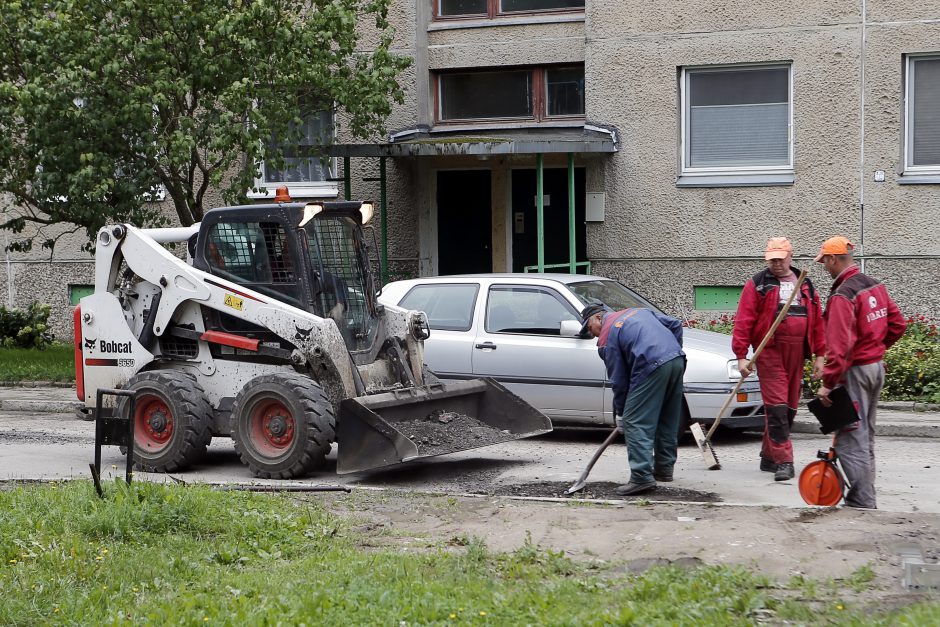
[
  {"x": 702, "y": 440},
  {"x": 578, "y": 485}
]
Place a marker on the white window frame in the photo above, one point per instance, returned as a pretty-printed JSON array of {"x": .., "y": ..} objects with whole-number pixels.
[
  {"x": 909, "y": 167},
  {"x": 732, "y": 175},
  {"x": 299, "y": 189}
]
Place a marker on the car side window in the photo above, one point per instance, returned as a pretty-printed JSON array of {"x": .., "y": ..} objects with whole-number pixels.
[
  {"x": 526, "y": 309},
  {"x": 449, "y": 306}
]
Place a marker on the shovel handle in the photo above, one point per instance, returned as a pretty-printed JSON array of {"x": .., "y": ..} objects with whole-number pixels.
[{"x": 757, "y": 351}]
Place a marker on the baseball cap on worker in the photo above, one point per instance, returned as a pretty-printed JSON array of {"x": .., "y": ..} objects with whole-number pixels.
[
  {"x": 837, "y": 245},
  {"x": 591, "y": 310},
  {"x": 778, "y": 248}
]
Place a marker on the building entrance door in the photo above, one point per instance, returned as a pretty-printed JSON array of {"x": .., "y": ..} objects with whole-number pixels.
[
  {"x": 524, "y": 223},
  {"x": 464, "y": 222}
]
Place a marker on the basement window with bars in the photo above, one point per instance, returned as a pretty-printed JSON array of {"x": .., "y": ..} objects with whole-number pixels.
[
  {"x": 537, "y": 94},
  {"x": 736, "y": 125},
  {"x": 449, "y": 9}
]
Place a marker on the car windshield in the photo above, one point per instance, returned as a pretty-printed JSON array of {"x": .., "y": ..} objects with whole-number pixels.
[{"x": 610, "y": 293}]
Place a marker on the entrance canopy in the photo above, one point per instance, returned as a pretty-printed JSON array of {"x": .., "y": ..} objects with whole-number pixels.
[
  {"x": 457, "y": 142},
  {"x": 420, "y": 142}
]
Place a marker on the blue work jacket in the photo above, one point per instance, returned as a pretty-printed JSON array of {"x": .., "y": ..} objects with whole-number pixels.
[{"x": 633, "y": 343}]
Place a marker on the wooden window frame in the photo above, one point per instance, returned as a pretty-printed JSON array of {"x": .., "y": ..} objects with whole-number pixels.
[
  {"x": 493, "y": 12},
  {"x": 539, "y": 95}
]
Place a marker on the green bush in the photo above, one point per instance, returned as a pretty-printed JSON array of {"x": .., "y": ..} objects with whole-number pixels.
[
  {"x": 25, "y": 329},
  {"x": 912, "y": 366}
]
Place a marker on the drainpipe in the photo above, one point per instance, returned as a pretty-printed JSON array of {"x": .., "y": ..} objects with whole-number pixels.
[
  {"x": 540, "y": 209},
  {"x": 861, "y": 150},
  {"x": 347, "y": 183}
]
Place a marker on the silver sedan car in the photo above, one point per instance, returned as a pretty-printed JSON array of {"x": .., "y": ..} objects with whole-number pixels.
[{"x": 523, "y": 330}]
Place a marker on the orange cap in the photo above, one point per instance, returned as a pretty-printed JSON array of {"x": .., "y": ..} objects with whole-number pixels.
[
  {"x": 778, "y": 248},
  {"x": 837, "y": 245}
]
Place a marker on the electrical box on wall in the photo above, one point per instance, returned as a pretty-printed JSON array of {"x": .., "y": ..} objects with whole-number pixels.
[
  {"x": 594, "y": 207},
  {"x": 518, "y": 222}
]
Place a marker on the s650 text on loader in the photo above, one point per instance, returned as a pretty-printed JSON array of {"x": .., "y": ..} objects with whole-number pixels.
[{"x": 270, "y": 332}]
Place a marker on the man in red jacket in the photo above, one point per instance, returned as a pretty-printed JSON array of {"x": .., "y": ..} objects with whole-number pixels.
[
  {"x": 862, "y": 322},
  {"x": 780, "y": 365}
]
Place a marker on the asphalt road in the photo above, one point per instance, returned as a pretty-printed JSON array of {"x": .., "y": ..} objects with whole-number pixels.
[{"x": 45, "y": 446}]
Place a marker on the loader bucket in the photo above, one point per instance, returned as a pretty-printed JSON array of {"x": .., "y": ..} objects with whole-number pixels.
[{"x": 411, "y": 423}]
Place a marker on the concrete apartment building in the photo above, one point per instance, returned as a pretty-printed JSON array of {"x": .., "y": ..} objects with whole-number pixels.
[{"x": 686, "y": 133}]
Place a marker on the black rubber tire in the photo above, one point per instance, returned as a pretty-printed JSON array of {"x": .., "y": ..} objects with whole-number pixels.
[
  {"x": 190, "y": 416},
  {"x": 311, "y": 425}
]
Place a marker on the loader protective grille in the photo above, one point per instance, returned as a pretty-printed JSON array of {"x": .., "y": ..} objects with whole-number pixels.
[
  {"x": 337, "y": 254},
  {"x": 254, "y": 254}
]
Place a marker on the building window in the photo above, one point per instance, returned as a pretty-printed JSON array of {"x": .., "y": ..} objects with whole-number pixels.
[
  {"x": 303, "y": 168},
  {"x": 496, "y": 8},
  {"x": 922, "y": 117},
  {"x": 537, "y": 94},
  {"x": 736, "y": 120}
]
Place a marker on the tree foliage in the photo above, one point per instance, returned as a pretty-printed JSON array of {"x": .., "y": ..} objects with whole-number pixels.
[{"x": 102, "y": 101}]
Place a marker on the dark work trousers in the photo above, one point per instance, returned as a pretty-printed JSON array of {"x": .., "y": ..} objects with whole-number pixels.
[
  {"x": 780, "y": 370},
  {"x": 651, "y": 419},
  {"x": 855, "y": 445}
]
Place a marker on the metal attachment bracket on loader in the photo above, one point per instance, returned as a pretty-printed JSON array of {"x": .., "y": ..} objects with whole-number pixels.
[{"x": 113, "y": 430}]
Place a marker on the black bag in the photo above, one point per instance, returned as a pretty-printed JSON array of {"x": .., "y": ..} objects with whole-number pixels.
[{"x": 838, "y": 415}]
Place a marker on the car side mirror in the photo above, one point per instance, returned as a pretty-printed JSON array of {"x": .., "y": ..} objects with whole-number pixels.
[{"x": 570, "y": 328}]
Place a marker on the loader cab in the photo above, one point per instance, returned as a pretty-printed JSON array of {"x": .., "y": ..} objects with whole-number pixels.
[{"x": 312, "y": 257}]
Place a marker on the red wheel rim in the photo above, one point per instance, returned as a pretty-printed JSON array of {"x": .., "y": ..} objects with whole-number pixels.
[
  {"x": 271, "y": 427},
  {"x": 153, "y": 424},
  {"x": 821, "y": 484}
]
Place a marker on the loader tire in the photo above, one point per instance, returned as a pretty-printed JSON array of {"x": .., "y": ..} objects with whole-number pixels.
[
  {"x": 283, "y": 426},
  {"x": 172, "y": 420}
]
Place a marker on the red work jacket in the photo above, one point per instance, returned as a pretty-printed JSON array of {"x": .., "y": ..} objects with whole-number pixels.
[
  {"x": 862, "y": 322},
  {"x": 757, "y": 310}
]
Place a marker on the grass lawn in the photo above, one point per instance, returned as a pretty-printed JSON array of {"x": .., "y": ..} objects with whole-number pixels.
[
  {"x": 56, "y": 363},
  {"x": 157, "y": 554}
]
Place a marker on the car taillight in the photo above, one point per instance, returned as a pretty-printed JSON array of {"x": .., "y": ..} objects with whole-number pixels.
[{"x": 79, "y": 360}]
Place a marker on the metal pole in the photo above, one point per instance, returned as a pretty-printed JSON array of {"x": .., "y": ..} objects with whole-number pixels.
[
  {"x": 347, "y": 183},
  {"x": 384, "y": 215},
  {"x": 540, "y": 209},
  {"x": 572, "y": 253}
]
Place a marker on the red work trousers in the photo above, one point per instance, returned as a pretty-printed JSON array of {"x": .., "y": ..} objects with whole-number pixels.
[{"x": 780, "y": 370}]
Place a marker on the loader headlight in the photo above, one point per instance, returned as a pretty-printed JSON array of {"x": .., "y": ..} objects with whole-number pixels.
[
  {"x": 310, "y": 210},
  {"x": 367, "y": 209}
]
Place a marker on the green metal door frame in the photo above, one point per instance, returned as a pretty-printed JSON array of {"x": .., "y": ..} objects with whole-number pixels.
[{"x": 540, "y": 217}]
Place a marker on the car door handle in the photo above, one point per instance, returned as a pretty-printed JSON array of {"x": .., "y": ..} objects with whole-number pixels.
[{"x": 487, "y": 345}]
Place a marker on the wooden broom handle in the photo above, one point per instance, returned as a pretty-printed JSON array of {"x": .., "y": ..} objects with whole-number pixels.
[{"x": 757, "y": 351}]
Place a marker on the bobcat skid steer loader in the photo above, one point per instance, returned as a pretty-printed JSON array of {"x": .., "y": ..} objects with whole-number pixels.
[{"x": 270, "y": 332}]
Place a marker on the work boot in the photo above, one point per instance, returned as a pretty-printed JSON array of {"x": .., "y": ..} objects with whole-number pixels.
[
  {"x": 784, "y": 471},
  {"x": 664, "y": 476},
  {"x": 767, "y": 466},
  {"x": 635, "y": 488}
]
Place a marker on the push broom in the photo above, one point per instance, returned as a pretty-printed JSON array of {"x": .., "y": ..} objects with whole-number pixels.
[{"x": 702, "y": 440}]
